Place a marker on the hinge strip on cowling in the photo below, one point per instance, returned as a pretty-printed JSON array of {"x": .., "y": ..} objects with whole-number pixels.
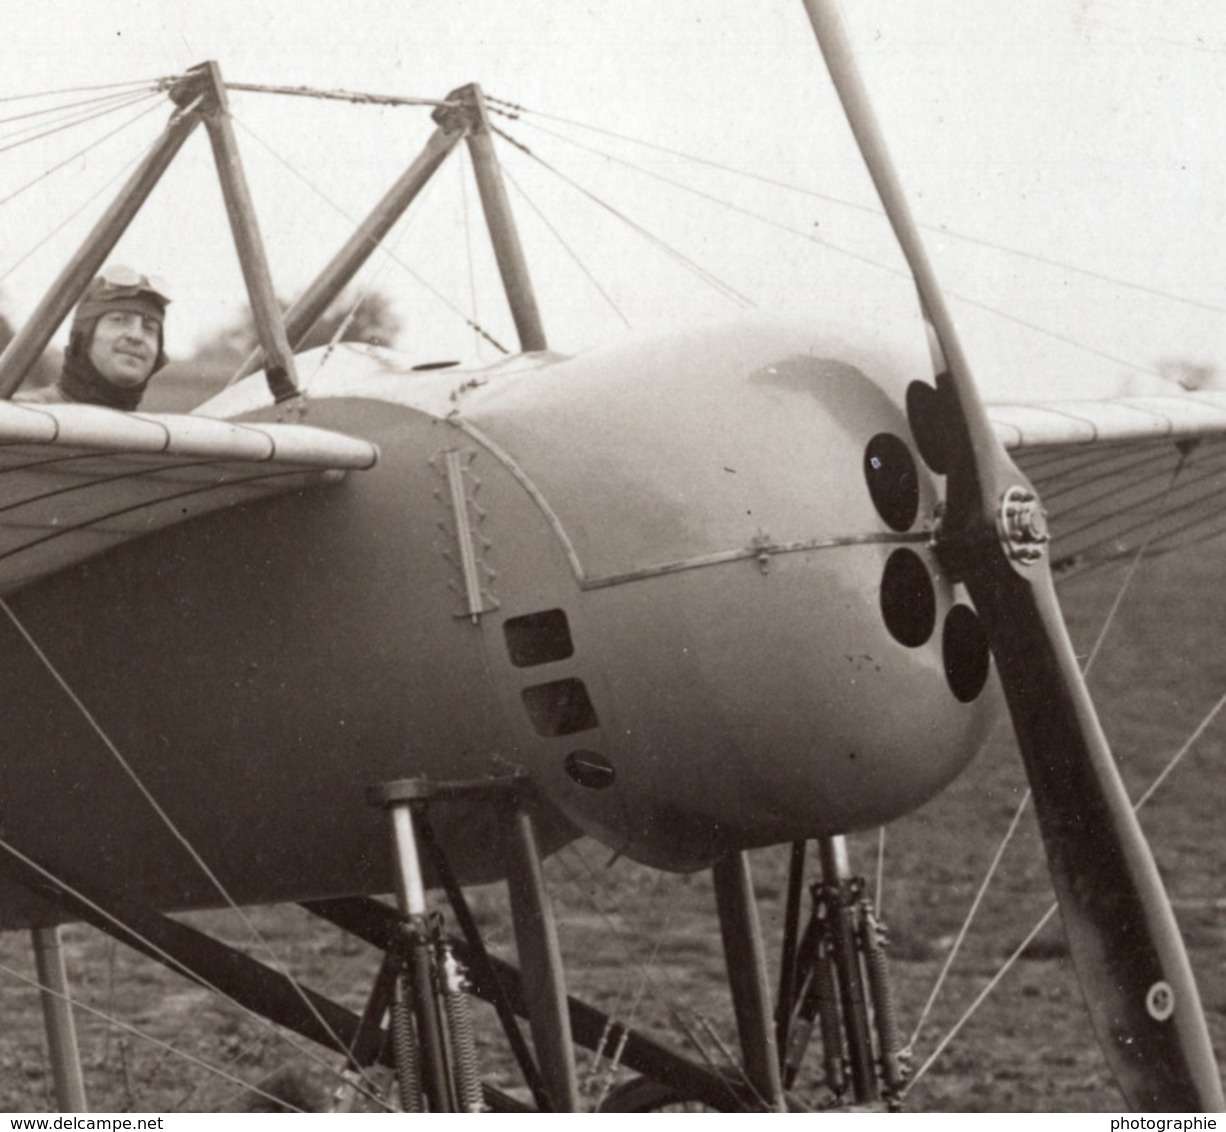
[{"x": 467, "y": 515}]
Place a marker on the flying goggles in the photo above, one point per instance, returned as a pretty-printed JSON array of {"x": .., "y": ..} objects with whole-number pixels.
[{"x": 116, "y": 277}]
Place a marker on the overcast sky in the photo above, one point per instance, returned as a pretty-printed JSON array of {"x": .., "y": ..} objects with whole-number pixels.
[{"x": 1087, "y": 134}]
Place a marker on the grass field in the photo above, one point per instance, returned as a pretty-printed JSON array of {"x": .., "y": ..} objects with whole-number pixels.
[{"x": 646, "y": 946}]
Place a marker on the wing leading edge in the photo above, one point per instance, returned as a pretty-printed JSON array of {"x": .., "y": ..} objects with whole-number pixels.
[
  {"x": 1122, "y": 475},
  {"x": 76, "y": 480}
]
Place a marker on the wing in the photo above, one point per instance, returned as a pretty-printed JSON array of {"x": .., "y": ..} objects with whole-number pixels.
[
  {"x": 1122, "y": 475},
  {"x": 76, "y": 479}
]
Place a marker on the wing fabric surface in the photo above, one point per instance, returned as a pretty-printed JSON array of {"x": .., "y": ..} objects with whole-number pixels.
[
  {"x": 77, "y": 479},
  {"x": 1122, "y": 475}
]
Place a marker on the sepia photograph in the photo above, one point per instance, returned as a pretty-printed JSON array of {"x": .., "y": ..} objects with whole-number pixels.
[{"x": 612, "y": 557}]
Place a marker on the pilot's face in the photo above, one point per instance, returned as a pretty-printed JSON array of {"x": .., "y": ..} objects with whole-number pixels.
[{"x": 125, "y": 347}]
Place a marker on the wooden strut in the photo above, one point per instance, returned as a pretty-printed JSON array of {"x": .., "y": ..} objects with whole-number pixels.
[
  {"x": 540, "y": 960},
  {"x": 747, "y": 978},
  {"x": 57, "y": 1017},
  {"x": 200, "y": 96},
  {"x": 312, "y": 304},
  {"x": 788, "y": 967},
  {"x": 508, "y": 251},
  {"x": 269, "y": 322},
  {"x": 253, "y": 985}
]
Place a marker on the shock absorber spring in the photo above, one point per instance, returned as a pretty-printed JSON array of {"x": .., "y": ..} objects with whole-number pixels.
[
  {"x": 456, "y": 1007},
  {"x": 834, "y": 1052},
  {"x": 404, "y": 1044},
  {"x": 873, "y": 944}
]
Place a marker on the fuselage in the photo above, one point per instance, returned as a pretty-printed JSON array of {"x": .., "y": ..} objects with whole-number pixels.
[{"x": 685, "y": 586}]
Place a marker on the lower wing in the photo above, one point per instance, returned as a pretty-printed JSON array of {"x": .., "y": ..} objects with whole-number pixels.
[
  {"x": 77, "y": 479},
  {"x": 1122, "y": 476}
]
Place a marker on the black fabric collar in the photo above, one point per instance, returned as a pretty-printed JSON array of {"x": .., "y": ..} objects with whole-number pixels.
[{"x": 81, "y": 381}]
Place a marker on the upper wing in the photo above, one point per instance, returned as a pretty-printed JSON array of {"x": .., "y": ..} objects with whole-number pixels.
[
  {"x": 1122, "y": 475},
  {"x": 77, "y": 479}
]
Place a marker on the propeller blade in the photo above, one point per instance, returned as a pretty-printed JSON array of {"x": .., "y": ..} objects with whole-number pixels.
[{"x": 1121, "y": 931}]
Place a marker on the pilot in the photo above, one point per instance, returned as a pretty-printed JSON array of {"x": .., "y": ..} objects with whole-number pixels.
[{"x": 115, "y": 344}]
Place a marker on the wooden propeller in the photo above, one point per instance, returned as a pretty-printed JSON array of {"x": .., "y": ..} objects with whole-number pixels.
[{"x": 1122, "y": 934}]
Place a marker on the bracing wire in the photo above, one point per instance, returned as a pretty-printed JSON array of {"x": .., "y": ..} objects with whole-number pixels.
[
  {"x": 591, "y": 278},
  {"x": 710, "y": 278},
  {"x": 896, "y": 271},
  {"x": 1009, "y": 963},
  {"x": 172, "y": 963},
  {"x": 138, "y": 84},
  {"x": 167, "y": 821},
  {"x": 78, "y": 120},
  {"x": 453, "y": 307},
  {"x": 72, "y": 109},
  {"x": 73, "y": 158},
  {"x": 1023, "y": 804},
  {"x": 602, "y": 1084},
  {"x": 516, "y": 111},
  {"x": 78, "y": 1004},
  {"x": 362, "y": 296},
  {"x": 648, "y": 974}
]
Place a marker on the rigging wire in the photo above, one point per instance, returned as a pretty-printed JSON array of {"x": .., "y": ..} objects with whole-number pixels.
[
  {"x": 164, "y": 817},
  {"x": 1024, "y": 803},
  {"x": 708, "y": 277},
  {"x": 898, "y": 272},
  {"x": 68, "y": 219},
  {"x": 514, "y": 110},
  {"x": 101, "y": 100},
  {"x": 173, "y": 964},
  {"x": 604, "y": 294},
  {"x": 454, "y": 308},
  {"x": 77, "y": 121},
  {"x": 602, "y": 1085},
  {"x": 162, "y": 83},
  {"x": 620, "y": 935},
  {"x": 1204, "y": 724},
  {"x": 144, "y": 1035},
  {"x": 342, "y": 328},
  {"x": 70, "y": 160}
]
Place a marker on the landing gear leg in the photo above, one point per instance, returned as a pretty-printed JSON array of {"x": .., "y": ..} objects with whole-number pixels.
[
  {"x": 438, "y": 1037},
  {"x": 746, "y": 962},
  {"x": 837, "y": 980},
  {"x": 57, "y": 1017},
  {"x": 540, "y": 961},
  {"x": 431, "y": 1032}
]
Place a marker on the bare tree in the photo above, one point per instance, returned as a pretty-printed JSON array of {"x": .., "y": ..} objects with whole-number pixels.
[{"x": 370, "y": 319}]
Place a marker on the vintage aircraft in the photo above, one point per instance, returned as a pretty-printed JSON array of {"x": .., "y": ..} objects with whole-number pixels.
[{"x": 523, "y": 604}]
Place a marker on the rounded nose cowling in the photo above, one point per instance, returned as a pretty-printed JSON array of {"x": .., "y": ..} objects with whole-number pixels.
[{"x": 780, "y": 654}]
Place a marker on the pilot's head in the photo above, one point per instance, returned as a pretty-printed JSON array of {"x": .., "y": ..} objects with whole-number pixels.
[{"x": 117, "y": 327}]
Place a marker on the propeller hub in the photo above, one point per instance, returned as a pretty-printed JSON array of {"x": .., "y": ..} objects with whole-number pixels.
[{"x": 1022, "y": 524}]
